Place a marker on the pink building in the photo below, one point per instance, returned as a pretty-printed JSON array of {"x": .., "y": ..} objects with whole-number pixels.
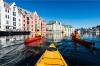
[{"x": 31, "y": 21}]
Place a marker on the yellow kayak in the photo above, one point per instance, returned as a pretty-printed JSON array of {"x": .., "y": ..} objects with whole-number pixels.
[{"x": 51, "y": 57}]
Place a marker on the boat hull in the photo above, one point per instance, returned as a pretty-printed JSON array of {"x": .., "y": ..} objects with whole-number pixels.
[
  {"x": 83, "y": 42},
  {"x": 32, "y": 40},
  {"x": 51, "y": 57}
]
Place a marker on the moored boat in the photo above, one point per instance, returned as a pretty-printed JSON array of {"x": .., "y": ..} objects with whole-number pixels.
[
  {"x": 51, "y": 57},
  {"x": 32, "y": 40}
]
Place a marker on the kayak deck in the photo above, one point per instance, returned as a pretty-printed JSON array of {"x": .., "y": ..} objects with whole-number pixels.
[{"x": 51, "y": 57}]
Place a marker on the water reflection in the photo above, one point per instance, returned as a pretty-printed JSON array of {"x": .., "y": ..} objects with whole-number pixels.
[
  {"x": 13, "y": 49},
  {"x": 55, "y": 37},
  {"x": 75, "y": 44}
]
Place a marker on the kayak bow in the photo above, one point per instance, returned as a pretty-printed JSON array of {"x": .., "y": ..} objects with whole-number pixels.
[{"x": 51, "y": 57}]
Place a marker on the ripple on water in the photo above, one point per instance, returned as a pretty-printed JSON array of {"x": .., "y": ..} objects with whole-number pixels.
[{"x": 79, "y": 54}]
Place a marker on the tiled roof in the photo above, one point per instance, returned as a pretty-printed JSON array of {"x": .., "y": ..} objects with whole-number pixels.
[
  {"x": 51, "y": 22},
  {"x": 21, "y": 10},
  {"x": 25, "y": 12},
  {"x": 6, "y": 4}
]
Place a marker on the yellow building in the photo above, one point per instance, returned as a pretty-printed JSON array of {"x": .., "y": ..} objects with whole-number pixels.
[{"x": 63, "y": 27}]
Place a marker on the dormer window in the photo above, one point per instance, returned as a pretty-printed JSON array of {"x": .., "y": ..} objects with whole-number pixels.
[
  {"x": 25, "y": 12},
  {"x": 21, "y": 9},
  {"x": 4, "y": 4}
]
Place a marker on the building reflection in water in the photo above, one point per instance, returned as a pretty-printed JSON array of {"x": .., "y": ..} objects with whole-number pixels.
[
  {"x": 8, "y": 40},
  {"x": 34, "y": 47},
  {"x": 96, "y": 35},
  {"x": 55, "y": 37}
]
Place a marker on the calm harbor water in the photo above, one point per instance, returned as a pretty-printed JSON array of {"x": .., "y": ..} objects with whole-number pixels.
[{"x": 13, "y": 51}]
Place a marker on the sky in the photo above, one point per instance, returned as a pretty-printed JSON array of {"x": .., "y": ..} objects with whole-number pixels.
[{"x": 78, "y": 13}]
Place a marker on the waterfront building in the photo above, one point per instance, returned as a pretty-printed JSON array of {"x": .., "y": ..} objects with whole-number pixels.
[
  {"x": 69, "y": 29},
  {"x": 10, "y": 16},
  {"x": 63, "y": 27},
  {"x": 31, "y": 21},
  {"x": 54, "y": 26},
  {"x": 13, "y": 17},
  {"x": 43, "y": 25}
]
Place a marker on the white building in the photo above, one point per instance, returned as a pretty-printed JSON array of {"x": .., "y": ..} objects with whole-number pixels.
[
  {"x": 54, "y": 26},
  {"x": 69, "y": 29},
  {"x": 10, "y": 16}
]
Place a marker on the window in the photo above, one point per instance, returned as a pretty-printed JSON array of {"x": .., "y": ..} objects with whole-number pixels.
[
  {"x": 24, "y": 20},
  {"x": 14, "y": 13},
  {"x": 25, "y": 12},
  {"x": 8, "y": 16},
  {"x": 5, "y": 9},
  {"x": 0, "y": 15},
  {"x": 7, "y": 22},
  {"x": 14, "y": 8},
  {"x": 28, "y": 28},
  {"x": 19, "y": 15},
  {"x": 24, "y": 16},
  {"x": 24, "y": 25},
  {"x": 14, "y": 19},
  {"x": 19, "y": 24},
  {"x": 35, "y": 21},
  {"x": 27, "y": 18},
  {"x": 5, "y": 16},
  {"x": 14, "y": 23},
  {"x": 7, "y": 27},
  {"x": 27, "y": 22},
  {"x": 32, "y": 18},
  {"x": 14, "y": 27},
  {"x": 19, "y": 20},
  {"x": 8, "y": 10},
  {"x": 0, "y": 8},
  {"x": 32, "y": 25},
  {"x": 0, "y": 21}
]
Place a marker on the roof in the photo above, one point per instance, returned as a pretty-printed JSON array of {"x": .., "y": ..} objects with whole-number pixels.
[
  {"x": 6, "y": 4},
  {"x": 51, "y": 22},
  {"x": 21, "y": 10},
  {"x": 25, "y": 12}
]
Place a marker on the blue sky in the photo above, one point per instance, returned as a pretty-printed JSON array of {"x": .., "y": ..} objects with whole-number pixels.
[{"x": 78, "y": 13}]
